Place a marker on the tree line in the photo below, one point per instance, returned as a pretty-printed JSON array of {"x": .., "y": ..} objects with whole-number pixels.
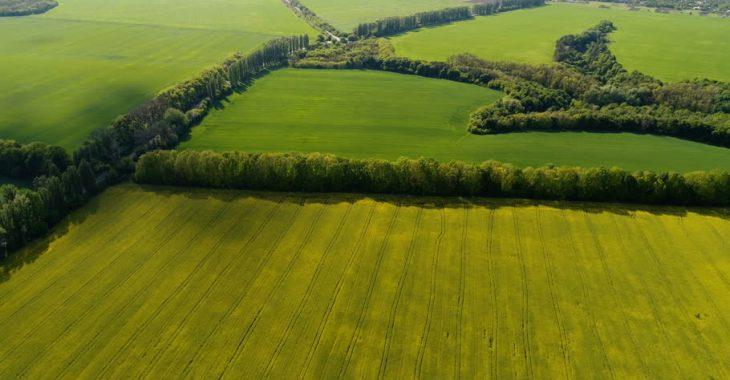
[
  {"x": 26, "y": 214},
  {"x": 589, "y": 53},
  {"x": 25, "y": 7},
  {"x": 31, "y": 160},
  {"x": 317, "y": 172},
  {"x": 394, "y": 25},
  {"x": 508, "y": 115},
  {"x": 493, "y": 6}
]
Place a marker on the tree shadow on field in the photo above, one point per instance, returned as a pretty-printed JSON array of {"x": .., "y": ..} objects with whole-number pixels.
[
  {"x": 38, "y": 247},
  {"x": 221, "y": 104},
  {"x": 434, "y": 202}
]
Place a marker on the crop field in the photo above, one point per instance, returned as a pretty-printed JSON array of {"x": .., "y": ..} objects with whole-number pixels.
[
  {"x": 150, "y": 283},
  {"x": 346, "y": 15},
  {"x": 365, "y": 114},
  {"x": 670, "y": 47},
  {"x": 76, "y": 68}
]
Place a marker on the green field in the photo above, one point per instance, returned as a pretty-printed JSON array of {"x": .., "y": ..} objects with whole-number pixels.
[
  {"x": 346, "y": 15},
  {"x": 76, "y": 68},
  {"x": 668, "y": 46},
  {"x": 365, "y": 114},
  {"x": 159, "y": 283}
]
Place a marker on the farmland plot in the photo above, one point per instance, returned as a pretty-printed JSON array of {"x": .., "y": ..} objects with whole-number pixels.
[
  {"x": 152, "y": 282},
  {"x": 76, "y": 68},
  {"x": 670, "y": 47},
  {"x": 369, "y": 114}
]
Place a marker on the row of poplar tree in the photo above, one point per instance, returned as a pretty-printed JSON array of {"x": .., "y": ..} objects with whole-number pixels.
[
  {"x": 394, "y": 25},
  {"x": 315, "y": 172}
]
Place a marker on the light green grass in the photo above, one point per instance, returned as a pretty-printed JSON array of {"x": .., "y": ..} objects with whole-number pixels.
[
  {"x": 669, "y": 46},
  {"x": 365, "y": 114},
  {"x": 146, "y": 283},
  {"x": 347, "y": 14},
  {"x": 76, "y": 68}
]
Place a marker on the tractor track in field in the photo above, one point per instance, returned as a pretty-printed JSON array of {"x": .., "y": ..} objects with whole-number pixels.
[
  {"x": 55, "y": 282},
  {"x": 394, "y": 307},
  {"x": 665, "y": 282},
  {"x": 586, "y": 295},
  {"x": 371, "y": 286},
  {"x": 431, "y": 300},
  {"x": 340, "y": 282},
  {"x": 247, "y": 287},
  {"x": 617, "y": 299},
  {"x": 549, "y": 271},
  {"x": 176, "y": 290},
  {"x": 526, "y": 344},
  {"x": 110, "y": 291},
  {"x": 78, "y": 291},
  {"x": 695, "y": 280},
  {"x": 493, "y": 346},
  {"x": 149, "y": 366},
  {"x": 108, "y": 222},
  {"x": 702, "y": 286},
  {"x": 462, "y": 285},
  {"x": 723, "y": 241},
  {"x": 163, "y": 242},
  {"x": 307, "y": 294},
  {"x": 652, "y": 300},
  {"x": 280, "y": 280}
]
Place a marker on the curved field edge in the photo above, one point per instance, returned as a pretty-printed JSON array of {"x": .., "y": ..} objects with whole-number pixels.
[
  {"x": 670, "y": 47},
  {"x": 368, "y": 114},
  {"x": 148, "y": 281}
]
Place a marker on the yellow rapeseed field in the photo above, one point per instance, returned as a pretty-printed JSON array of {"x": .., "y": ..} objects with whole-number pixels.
[{"x": 152, "y": 282}]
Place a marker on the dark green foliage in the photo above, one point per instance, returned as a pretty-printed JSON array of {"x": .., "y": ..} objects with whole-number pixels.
[
  {"x": 25, "y": 7},
  {"x": 31, "y": 160},
  {"x": 589, "y": 53},
  {"x": 602, "y": 95},
  {"x": 700, "y": 95},
  {"x": 26, "y": 214},
  {"x": 487, "y": 8},
  {"x": 510, "y": 5},
  {"x": 394, "y": 25},
  {"x": 493, "y": 6},
  {"x": 357, "y": 55},
  {"x": 311, "y": 18},
  {"x": 327, "y": 173},
  {"x": 505, "y": 117}
]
